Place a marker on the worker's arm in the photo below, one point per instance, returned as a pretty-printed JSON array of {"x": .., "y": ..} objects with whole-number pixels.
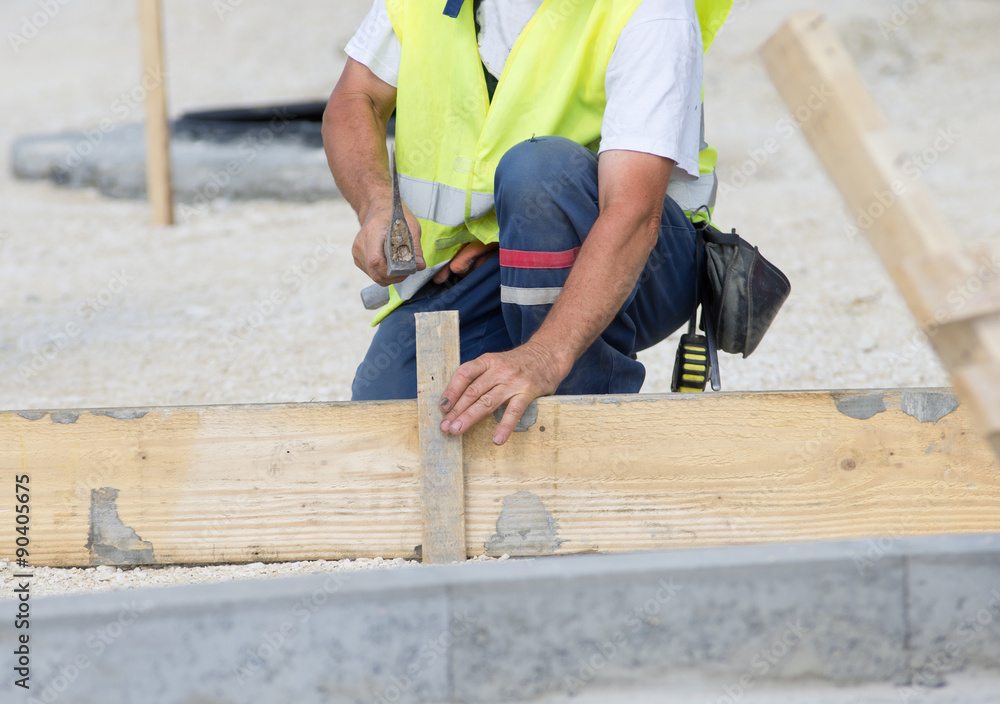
[
  {"x": 632, "y": 186},
  {"x": 354, "y": 133}
]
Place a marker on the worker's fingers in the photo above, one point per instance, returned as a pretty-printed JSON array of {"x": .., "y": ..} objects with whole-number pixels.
[
  {"x": 442, "y": 276},
  {"x": 471, "y": 256},
  {"x": 454, "y": 400},
  {"x": 377, "y": 267},
  {"x": 482, "y": 403},
  {"x": 369, "y": 259},
  {"x": 368, "y": 249},
  {"x": 515, "y": 409},
  {"x": 479, "y": 387}
]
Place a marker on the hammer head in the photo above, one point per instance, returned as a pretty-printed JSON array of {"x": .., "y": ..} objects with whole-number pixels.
[{"x": 399, "y": 250}]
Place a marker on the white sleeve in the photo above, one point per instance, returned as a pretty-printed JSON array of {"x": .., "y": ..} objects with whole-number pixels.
[
  {"x": 376, "y": 46},
  {"x": 653, "y": 86}
]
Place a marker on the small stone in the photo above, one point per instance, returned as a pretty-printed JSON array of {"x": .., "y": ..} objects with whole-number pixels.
[{"x": 867, "y": 343}]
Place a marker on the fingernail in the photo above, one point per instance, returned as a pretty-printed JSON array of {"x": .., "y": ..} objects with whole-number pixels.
[
  {"x": 443, "y": 403},
  {"x": 497, "y": 439},
  {"x": 445, "y": 426},
  {"x": 456, "y": 427}
]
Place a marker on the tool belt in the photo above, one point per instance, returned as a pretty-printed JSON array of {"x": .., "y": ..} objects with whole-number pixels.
[{"x": 739, "y": 292}]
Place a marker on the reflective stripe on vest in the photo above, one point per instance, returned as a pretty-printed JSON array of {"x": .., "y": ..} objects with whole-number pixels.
[
  {"x": 441, "y": 204},
  {"x": 694, "y": 194},
  {"x": 445, "y": 205}
]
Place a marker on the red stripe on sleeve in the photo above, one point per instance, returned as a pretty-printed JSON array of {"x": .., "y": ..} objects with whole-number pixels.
[{"x": 521, "y": 259}]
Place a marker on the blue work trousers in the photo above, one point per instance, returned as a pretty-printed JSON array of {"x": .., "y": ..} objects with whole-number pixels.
[{"x": 546, "y": 202}]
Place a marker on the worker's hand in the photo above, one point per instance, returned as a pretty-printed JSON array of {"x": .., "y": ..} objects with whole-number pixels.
[
  {"x": 516, "y": 378},
  {"x": 369, "y": 245},
  {"x": 469, "y": 257}
]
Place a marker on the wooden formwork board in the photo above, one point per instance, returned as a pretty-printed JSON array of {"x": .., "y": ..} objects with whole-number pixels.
[{"x": 308, "y": 481}]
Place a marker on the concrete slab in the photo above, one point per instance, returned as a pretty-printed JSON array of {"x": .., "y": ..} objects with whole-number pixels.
[
  {"x": 744, "y": 618},
  {"x": 954, "y": 626},
  {"x": 965, "y": 688},
  {"x": 277, "y": 158},
  {"x": 302, "y": 640},
  {"x": 564, "y": 633}
]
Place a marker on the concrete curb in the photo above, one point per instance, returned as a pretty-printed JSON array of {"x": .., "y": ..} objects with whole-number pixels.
[
  {"x": 284, "y": 161},
  {"x": 907, "y": 611}
]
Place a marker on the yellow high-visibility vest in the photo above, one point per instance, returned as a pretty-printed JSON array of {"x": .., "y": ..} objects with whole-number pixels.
[{"x": 450, "y": 136}]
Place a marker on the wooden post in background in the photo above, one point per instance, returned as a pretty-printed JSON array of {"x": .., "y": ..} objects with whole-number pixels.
[
  {"x": 442, "y": 477},
  {"x": 158, "y": 178}
]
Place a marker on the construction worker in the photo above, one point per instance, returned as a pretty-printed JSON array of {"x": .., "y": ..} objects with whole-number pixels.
[{"x": 552, "y": 152}]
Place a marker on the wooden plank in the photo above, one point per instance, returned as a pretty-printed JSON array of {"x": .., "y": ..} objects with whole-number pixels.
[
  {"x": 981, "y": 384},
  {"x": 158, "y": 176},
  {"x": 819, "y": 83},
  {"x": 821, "y": 86},
  {"x": 310, "y": 481},
  {"x": 442, "y": 480},
  {"x": 957, "y": 286}
]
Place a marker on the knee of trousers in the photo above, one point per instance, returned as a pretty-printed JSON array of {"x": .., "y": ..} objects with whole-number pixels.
[
  {"x": 540, "y": 184},
  {"x": 541, "y": 167}
]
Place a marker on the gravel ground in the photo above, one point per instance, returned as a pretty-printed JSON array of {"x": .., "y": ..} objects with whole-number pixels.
[
  {"x": 50, "y": 581},
  {"x": 132, "y": 315}
]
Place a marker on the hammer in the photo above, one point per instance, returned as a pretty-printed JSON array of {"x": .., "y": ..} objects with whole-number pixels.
[
  {"x": 398, "y": 253},
  {"x": 398, "y": 241}
]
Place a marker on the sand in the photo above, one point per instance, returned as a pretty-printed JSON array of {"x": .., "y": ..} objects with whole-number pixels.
[{"x": 102, "y": 309}]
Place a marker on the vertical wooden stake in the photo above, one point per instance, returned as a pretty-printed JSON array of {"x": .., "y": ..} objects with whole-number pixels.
[
  {"x": 442, "y": 478},
  {"x": 158, "y": 180}
]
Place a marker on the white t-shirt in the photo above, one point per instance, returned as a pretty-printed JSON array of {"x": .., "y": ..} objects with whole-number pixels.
[{"x": 653, "y": 82}]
